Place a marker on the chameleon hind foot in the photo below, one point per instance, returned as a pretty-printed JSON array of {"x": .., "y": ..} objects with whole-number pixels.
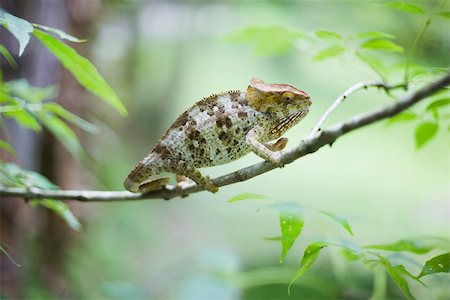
[{"x": 153, "y": 184}]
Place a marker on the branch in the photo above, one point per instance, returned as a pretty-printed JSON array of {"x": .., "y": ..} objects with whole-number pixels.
[{"x": 315, "y": 140}]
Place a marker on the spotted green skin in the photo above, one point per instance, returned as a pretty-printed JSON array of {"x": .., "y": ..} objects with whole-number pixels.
[{"x": 210, "y": 133}]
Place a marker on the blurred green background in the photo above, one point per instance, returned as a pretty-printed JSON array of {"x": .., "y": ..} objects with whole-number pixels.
[{"x": 161, "y": 57}]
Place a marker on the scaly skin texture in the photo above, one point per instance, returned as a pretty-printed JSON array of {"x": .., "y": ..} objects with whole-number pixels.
[{"x": 222, "y": 128}]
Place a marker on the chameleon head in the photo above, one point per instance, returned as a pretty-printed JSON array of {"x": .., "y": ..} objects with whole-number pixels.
[{"x": 276, "y": 98}]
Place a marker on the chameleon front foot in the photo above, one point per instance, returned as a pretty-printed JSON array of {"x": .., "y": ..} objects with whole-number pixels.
[{"x": 153, "y": 184}]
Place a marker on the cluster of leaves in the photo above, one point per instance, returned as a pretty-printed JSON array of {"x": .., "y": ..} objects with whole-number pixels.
[
  {"x": 32, "y": 108},
  {"x": 292, "y": 221},
  {"x": 377, "y": 50}
]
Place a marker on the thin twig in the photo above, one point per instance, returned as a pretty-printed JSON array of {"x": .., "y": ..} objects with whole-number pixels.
[
  {"x": 309, "y": 145},
  {"x": 356, "y": 87}
]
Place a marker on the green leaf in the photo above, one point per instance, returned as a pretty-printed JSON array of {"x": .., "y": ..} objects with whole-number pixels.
[
  {"x": 266, "y": 41},
  {"x": 309, "y": 257},
  {"x": 383, "y": 45},
  {"x": 420, "y": 245},
  {"x": 13, "y": 175},
  {"x": 291, "y": 224},
  {"x": 402, "y": 117},
  {"x": 444, "y": 14},
  {"x": 349, "y": 254},
  {"x": 7, "y": 147},
  {"x": 61, "y": 209},
  {"x": 63, "y": 113},
  {"x": 25, "y": 119},
  {"x": 22, "y": 89},
  {"x": 60, "y": 33},
  {"x": 397, "y": 276},
  {"x": 273, "y": 238},
  {"x": 425, "y": 133},
  {"x": 375, "y": 35},
  {"x": 406, "y": 7},
  {"x": 438, "y": 103},
  {"x": 20, "y": 28},
  {"x": 329, "y": 52},
  {"x": 8, "y": 56},
  {"x": 246, "y": 196},
  {"x": 338, "y": 219},
  {"x": 328, "y": 35},
  {"x": 374, "y": 63},
  {"x": 62, "y": 132},
  {"x": 438, "y": 264},
  {"x": 86, "y": 74}
]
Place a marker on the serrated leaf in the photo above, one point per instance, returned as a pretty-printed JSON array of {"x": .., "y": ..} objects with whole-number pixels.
[
  {"x": 420, "y": 245},
  {"x": 397, "y": 276},
  {"x": 406, "y": 7},
  {"x": 375, "y": 35},
  {"x": 425, "y": 132},
  {"x": 402, "y": 117},
  {"x": 61, "y": 209},
  {"x": 62, "y": 132},
  {"x": 444, "y": 14},
  {"x": 382, "y": 45},
  {"x": 82, "y": 69},
  {"x": 63, "y": 113},
  {"x": 246, "y": 196},
  {"x": 338, "y": 219},
  {"x": 8, "y": 56},
  {"x": 438, "y": 104},
  {"x": 374, "y": 63},
  {"x": 438, "y": 264},
  {"x": 291, "y": 224},
  {"x": 25, "y": 119},
  {"x": 328, "y": 35},
  {"x": 329, "y": 52},
  {"x": 18, "y": 27},
  {"x": 309, "y": 257},
  {"x": 7, "y": 147},
  {"x": 60, "y": 33}
]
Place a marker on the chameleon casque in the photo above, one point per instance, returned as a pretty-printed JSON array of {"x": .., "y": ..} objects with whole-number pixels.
[{"x": 222, "y": 128}]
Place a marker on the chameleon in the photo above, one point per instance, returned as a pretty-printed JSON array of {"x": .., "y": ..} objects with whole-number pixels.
[{"x": 219, "y": 129}]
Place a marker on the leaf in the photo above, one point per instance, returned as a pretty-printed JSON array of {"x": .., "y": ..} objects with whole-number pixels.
[
  {"x": 383, "y": 45},
  {"x": 438, "y": 103},
  {"x": 60, "y": 33},
  {"x": 246, "y": 196},
  {"x": 438, "y": 264},
  {"x": 273, "y": 238},
  {"x": 266, "y": 41},
  {"x": 309, "y": 257},
  {"x": 62, "y": 132},
  {"x": 349, "y": 254},
  {"x": 375, "y": 35},
  {"x": 374, "y": 63},
  {"x": 20, "y": 28},
  {"x": 291, "y": 224},
  {"x": 25, "y": 119},
  {"x": 7, "y": 147},
  {"x": 86, "y": 74},
  {"x": 22, "y": 89},
  {"x": 12, "y": 173},
  {"x": 8, "y": 56},
  {"x": 329, "y": 52},
  {"x": 406, "y": 7},
  {"x": 63, "y": 113},
  {"x": 61, "y": 209},
  {"x": 397, "y": 277},
  {"x": 402, "y": 117},
  {"x": 328, "y": 35},
  {"x": 444, "y": 14},
  {"x": 420, "y": 245},
  {"x": 425, "y": 133},
  {"x": 338, "y": 219}
]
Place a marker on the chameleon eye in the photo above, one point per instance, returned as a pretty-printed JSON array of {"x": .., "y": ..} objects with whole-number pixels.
[{"x": 288, "y": 96}]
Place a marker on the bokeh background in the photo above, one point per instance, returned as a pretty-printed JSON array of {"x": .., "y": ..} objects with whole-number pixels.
[{"x": 162, "y": 56}]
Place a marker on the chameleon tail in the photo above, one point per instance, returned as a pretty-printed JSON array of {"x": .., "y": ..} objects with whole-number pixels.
[{"x": 140, "y": 174}]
